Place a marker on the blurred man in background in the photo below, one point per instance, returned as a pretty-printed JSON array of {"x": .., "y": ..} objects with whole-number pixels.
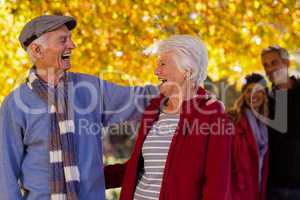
[{"x": 284, "y": 127}]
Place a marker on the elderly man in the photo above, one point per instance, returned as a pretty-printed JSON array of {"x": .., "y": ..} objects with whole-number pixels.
[
  {"x": 284, "y": 135},
  {"x": 50, "y": 127}
]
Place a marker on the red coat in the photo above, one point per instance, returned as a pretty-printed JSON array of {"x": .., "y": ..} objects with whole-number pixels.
[
  {"x": 245, "y": 180},
  {"x": 199, "y": 160}
]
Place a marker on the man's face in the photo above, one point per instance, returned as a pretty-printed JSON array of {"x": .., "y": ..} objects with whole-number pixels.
[
  {"x": 56, "y": 54},
  {"x": 275, "y": 67}
]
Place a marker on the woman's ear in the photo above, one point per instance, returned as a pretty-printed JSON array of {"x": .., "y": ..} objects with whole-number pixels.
[{"x": 188, "y": 74}]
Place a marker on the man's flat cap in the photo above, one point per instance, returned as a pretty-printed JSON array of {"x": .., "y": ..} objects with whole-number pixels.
[{"x": 43, "y": 24}]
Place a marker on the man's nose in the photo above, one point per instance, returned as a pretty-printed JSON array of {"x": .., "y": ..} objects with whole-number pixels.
[
  {"x": 157, "y": 71},
  {"x": 71, "y": 44},
  {"x": 272, "y": 70}
]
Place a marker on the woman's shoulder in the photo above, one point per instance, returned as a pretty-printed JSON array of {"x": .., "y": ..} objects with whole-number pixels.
[
  {"x": 239, "y": 120},
  {"x": 233, "y": 115}
]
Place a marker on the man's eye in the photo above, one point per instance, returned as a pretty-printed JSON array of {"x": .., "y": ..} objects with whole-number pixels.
[{"x": 63, "y": 40}]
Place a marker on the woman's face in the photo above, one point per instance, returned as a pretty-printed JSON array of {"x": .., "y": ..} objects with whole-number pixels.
[
  {"x": 254, "y": 95},
  {"x": 171, "y": 76}
]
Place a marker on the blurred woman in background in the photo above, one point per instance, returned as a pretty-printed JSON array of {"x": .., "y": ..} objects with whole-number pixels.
[{"x": 250, "y": 142}]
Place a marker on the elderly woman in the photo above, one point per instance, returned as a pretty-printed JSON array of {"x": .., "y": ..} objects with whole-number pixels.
[
  {"x": 250, "y": 143},
  {"x": 183, "y": 147}
]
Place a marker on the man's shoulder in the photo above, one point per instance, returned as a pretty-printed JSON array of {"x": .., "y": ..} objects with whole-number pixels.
[
  {"x": 297, "y": 83},
  {"x": 83, "y": 77},
  {"x": 9, "y": 101},
  {"x": 21, "y": 99},
  {"x": 87, "y": 80},
  {"x": 16, "y": 92}
]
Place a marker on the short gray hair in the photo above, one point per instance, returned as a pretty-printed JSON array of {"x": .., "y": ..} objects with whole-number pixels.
[
  {"x": 40, "y": 41},
  {"x": 190, "y": 53},
  {"x": 283, "y": 53}
]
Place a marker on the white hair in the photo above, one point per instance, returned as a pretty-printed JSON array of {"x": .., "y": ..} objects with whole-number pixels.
[
  {"x": 42, "y": 41},
  {"x": 189, "y": 53}
]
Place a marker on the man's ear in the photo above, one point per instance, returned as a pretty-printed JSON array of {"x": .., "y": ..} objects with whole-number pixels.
[
  {"x": 286, "y": 62},
  {"x": 36, "y": 50}
]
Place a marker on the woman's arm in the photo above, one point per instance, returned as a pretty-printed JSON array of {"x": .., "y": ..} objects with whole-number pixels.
[{"x": 218, "y": 162}]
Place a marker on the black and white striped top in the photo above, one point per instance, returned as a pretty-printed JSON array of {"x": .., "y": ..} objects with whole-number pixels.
[{"x": 155, "y": 150}]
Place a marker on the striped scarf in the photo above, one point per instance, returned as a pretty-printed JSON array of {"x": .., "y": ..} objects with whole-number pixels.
[{"x": 64, "y": 174}]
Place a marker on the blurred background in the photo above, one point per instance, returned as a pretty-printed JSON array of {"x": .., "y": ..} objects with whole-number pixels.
[{"x": 111, "y": 36}]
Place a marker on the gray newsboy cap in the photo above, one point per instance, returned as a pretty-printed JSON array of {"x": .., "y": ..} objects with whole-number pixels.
[{"x": 43, "y": 24}]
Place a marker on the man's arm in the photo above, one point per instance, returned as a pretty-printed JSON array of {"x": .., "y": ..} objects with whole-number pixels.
[
  {"x": 11, "y": 152},
  {"x": 124, "y": 103}
]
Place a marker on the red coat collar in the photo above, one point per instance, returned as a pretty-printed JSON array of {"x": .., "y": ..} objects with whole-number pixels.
[
  {"x": 187, "y": 111},
  {"x": 157, "y": 102}
]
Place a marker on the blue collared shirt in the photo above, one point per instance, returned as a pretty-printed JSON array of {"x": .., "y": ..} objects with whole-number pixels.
[{"x": 25, "y": 128}]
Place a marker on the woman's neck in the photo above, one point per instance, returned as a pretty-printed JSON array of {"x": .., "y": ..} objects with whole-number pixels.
[
  {"x": 256, "y": 110},
  {"x": 174, "y": 102}
]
